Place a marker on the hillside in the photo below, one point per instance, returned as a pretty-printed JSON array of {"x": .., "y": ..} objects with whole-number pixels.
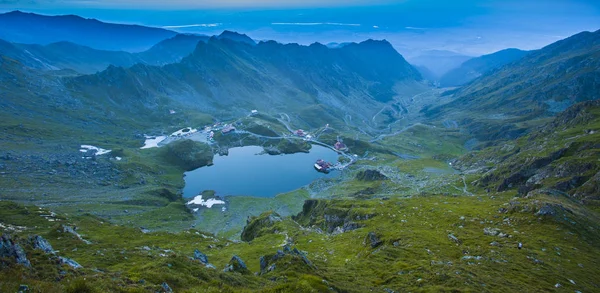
[
  {"x": 228, "y": 78},
  {"x": 171, "y": 50},
  {"x": 541, "y": 84},
  {"x": 476, "y": 67},
  {"x": 558, "y": 158},
  {"x": 424, "y": 243},
  {"x": 86, "y": 60},
  {"x": 31, "y": 28}
]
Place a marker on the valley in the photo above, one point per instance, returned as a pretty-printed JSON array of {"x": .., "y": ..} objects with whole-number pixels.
[{"x": 186, "y": 163}]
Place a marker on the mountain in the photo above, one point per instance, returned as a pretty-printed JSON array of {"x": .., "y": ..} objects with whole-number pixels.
[
  {"x": 171, "y": 50},
  {"x": 67, "y": 55},
  {"x": 226, "y": 77},
  {"x": 86, "y": 60},
  {"x": 11, "y": 51},
  {"x": 541, "y": 84},
  {"x": 234, "y": 36},
  {"x": 439, "y": 62},
  {"x": 30, "y": 28},
  {"x": 474, "y": 68}
]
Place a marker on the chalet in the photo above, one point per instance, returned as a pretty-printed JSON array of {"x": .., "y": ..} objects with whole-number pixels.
[
  {"x": 300, "y": 133},
  {"x": 340, "y": 146},
  {"x": 228, "y": 128}
]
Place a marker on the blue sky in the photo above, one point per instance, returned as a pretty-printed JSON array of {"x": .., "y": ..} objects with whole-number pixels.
[{"x": 412, "y": 26}]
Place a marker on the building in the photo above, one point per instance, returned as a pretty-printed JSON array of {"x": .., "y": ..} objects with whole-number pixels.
[
  {"x": 340, "y": 146},
  {"x": 300, "y": 133},
  {"x": 228, "y": 128}
]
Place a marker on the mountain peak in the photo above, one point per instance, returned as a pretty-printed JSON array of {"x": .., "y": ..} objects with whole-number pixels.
[{"x": 237, "y": 37}]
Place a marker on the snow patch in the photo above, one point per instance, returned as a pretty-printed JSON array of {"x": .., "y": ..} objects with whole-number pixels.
[
  {"x": 152, "y": 141},
  {"x": 208, "y": 203},
  {"x": 99, "y": 151}
]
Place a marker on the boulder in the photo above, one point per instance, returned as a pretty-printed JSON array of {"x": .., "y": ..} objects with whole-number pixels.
[
  {"x": 263, "y": 263},
  {"x": 10, "y": 249},
  {"x": 201, "y": 257},
  {"x": 70, "y": 262},
  {"x": 38, "y": 242},
  {"x": 491, "y": 231},
  {"x": 455, "y": 239},
  {"x": 166, "y": 288},
  {"x": 236, "y": 264},
  {"x": 373, "y": 240}
]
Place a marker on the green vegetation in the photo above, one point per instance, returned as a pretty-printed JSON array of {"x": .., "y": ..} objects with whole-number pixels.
[
  {"x": 188, "y": 154},
  {"x": 415, "y": 211},
  {"x": 423, "y": 243}
]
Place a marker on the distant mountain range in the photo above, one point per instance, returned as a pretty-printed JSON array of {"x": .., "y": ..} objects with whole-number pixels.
[
  {"x": 476, "y": 67},
  {"x": 436, "y": 63},
  {"x": 30, "y": 28},
  {"x": 83, "y": 59}
]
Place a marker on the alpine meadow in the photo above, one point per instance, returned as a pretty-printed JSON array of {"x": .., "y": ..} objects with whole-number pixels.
[{"x": 300, "y": 146}]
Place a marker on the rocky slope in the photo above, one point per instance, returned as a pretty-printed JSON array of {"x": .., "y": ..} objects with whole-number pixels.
[
  {"x": 558, "y": 158},
  {"x": 476, "y": 67}
]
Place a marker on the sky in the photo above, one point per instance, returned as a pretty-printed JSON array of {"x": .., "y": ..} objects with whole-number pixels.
[{"x": 467, "y": 27}]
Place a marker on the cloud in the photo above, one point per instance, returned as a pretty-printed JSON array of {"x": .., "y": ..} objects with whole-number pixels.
[
  {"x": 185, "y": 4},
  {"x": 315, "y": 23},
  {"x": 192, "y": 25}
]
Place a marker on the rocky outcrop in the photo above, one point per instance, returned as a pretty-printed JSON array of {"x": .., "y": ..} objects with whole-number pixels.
[
  {"x": 293, "y": 258},
  {"x": 70, "y": 262},
  {"x": 71, "y": 230},
  {"x": 257, "y": 226},
  {"x": 38, "y": 242},
  {"x": 373, "y": 240},
  {"x": 589, "y": 192},
  {"x": 236, "y": 264},
  {"x": 370, "y": 175},
  {"x": 330, "y": 216},
  {"x": 202, "y": 258},
  {"x": 11, "y": 250}
]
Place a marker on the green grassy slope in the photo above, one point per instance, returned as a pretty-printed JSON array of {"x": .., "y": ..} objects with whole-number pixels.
[{"x": 423, "y": 244}]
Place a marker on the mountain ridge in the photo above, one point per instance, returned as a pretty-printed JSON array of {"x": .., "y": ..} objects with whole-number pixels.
[
  {"x": 31, "y": 28},
  {"x": 475, "y": 67}
]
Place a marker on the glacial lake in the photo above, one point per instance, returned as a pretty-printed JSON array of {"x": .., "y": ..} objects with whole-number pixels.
[{"x": 244, "y": 172}]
